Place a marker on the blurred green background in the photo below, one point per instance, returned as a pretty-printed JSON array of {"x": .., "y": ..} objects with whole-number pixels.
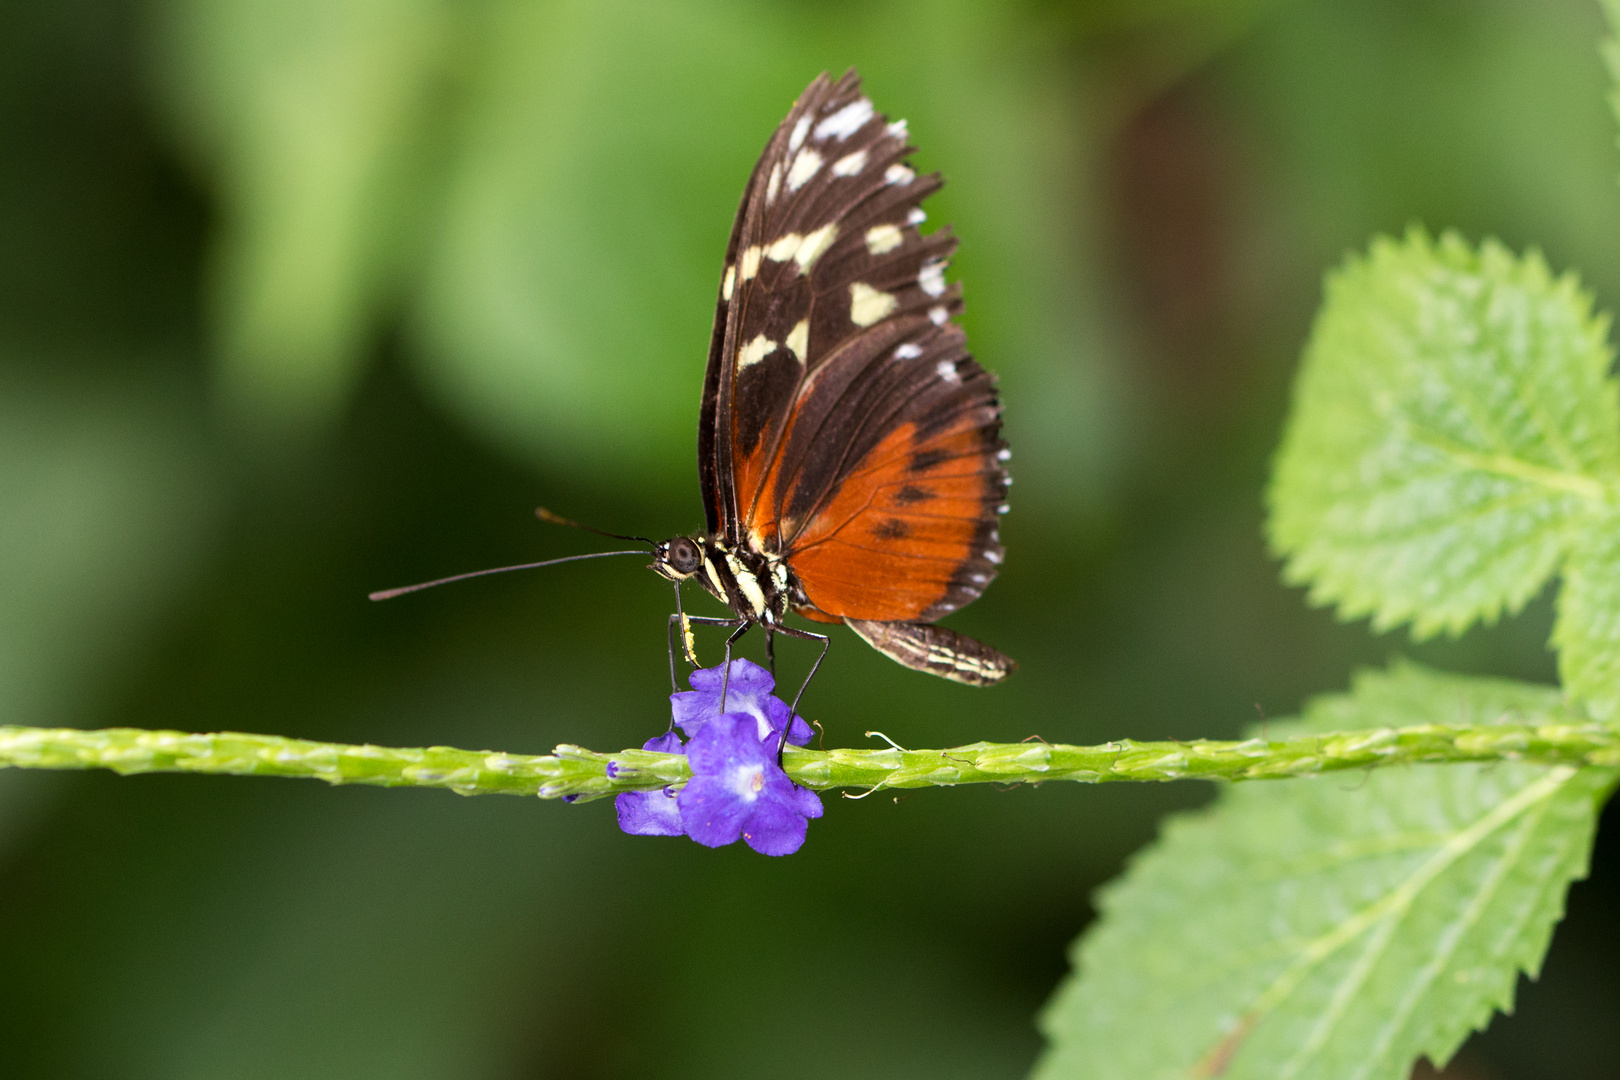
[{"x": 303, "y": 299}]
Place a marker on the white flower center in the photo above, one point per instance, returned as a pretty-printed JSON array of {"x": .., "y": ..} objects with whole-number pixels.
[{"x": 747, "y": 781}]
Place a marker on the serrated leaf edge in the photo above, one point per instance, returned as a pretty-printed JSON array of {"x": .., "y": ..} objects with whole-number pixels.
[
  {"x": 1385, "y": 914},
  {"x": 1331, "y": 586}
]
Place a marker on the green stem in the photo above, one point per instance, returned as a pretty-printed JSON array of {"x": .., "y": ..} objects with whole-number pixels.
[{"x": 571, "y": 770}]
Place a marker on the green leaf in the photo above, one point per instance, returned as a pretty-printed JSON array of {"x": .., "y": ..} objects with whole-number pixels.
[
  {"x": 1329, "y": 928},
  {"x": 1587, "y": 633},
  {"x": 1454, "y": 424},
  {"x": 311, "y": 117}
]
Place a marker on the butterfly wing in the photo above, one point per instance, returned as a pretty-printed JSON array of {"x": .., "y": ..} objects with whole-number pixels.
[
  {"x": 823, "y": 182},
  {"x": 845, "y": 428}
]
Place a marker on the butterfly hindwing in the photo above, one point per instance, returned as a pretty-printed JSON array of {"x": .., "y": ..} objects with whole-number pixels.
[
  {"x": 902, "y": 523},
  {"x": 937, "y": 650}
]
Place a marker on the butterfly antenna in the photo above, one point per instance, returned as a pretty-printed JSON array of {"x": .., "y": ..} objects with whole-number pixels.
[
  {"x": 389, "y": 594},
  {"x": 557, "y": 519}
]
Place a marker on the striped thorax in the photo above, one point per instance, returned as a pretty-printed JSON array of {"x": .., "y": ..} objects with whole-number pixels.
[{"x": 755, "y": 587}]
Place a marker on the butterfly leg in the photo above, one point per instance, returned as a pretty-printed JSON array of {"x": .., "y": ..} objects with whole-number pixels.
[
  {"x": 678, "y": 618},
  {"x": 725, "y": 680},
  {"x": 675, "y": 621},
  {"x": 770, "y": 649},
  {"x": 826, "y": 643}
]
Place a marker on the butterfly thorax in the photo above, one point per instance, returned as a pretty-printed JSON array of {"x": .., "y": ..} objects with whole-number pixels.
[{"x": 755, "y": 586}]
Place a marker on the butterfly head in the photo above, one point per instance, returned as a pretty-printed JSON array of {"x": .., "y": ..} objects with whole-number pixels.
[{"x": 678, "y": 559}]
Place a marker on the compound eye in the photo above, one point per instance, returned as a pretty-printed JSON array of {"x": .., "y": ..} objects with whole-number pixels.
[{"x": 683, "y": 556}]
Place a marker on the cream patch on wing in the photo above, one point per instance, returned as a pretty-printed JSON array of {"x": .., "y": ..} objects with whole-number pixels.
[
  {"x": 804, "y": 250},
  {"x": 931, "y": 278},
  {"x": 846, "y": 121},
  {"x": 815, "y": 245},
  {"x": 805, "y": 165},
  {"x": 868, "y": 305},
  {"x": 796, "y": 140},
  {"x": 850, "y": 164},
  {"x": 798, "y": 339},
  {"x": 784, "y": 248},
  {"x": 881, "y": 239},
  {"x": 755, "y": 351}
]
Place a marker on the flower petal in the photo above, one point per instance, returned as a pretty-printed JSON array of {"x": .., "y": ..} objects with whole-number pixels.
[
  {"x": 775, "y": 828},
  {"x": 800, "y": 734},
  {"x": 806, "y": 801},
  {"x": 692, "y": 708},
  {"x": 748, "y": 692},
  {"x": 667, "y": 743},
  {"x": 649, "y": 813}
]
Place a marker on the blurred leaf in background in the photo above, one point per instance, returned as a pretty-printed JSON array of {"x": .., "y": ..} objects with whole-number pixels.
[
  {"x": 312, "y": 120},
  {"x": 546, "y": 193}
]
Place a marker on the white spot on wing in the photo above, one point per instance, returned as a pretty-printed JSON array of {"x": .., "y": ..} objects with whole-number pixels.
[
  {"x": 750, "y": 263},
  {"x": 932, "y": 278},
  {"x": 784, "y": 248},
  {"x": 946, "y": 369},
  {"x": 850, "y": 164},
  {"x": 993, "y": 555},
  {"x": 881, "y": 239},
  {"x": 938, "y": 315},
  {"x": 868, "y": 305},
  {"x": 774, "y": 185},
  {"x": 916, "y": 217},
  {"x": 1004, "y": 454},
  {"x": 897, "y": 130},
  {"x": 755, "y": 351},
  {"x": 846, "y": 121},
  {"x": 804, "y": 167},
  {"x": 798, "y": 339},
  {"x": 729, "y": 283},
  {"x": 908, "y": 351},
  {"x": 815, "y": 245},
  {"x": 796, "y": 140},
  {"x": 898, "y": 174}
]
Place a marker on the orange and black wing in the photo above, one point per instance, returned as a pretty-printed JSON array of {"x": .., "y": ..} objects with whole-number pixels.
[{"x": 845, "y": 428}]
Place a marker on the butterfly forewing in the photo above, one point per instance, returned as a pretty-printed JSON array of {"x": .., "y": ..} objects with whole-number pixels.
[{"x": 845, "y": 428}]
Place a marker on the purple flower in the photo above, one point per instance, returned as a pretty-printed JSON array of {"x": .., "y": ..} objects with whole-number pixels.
[
  {"x": 651, "y": 813},
  {"x": 749, "y": 693},
  {"x": 738, "y": 790}
]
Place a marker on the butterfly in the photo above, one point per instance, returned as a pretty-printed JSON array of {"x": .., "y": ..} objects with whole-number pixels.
[{"x": 849, "y": 448}]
